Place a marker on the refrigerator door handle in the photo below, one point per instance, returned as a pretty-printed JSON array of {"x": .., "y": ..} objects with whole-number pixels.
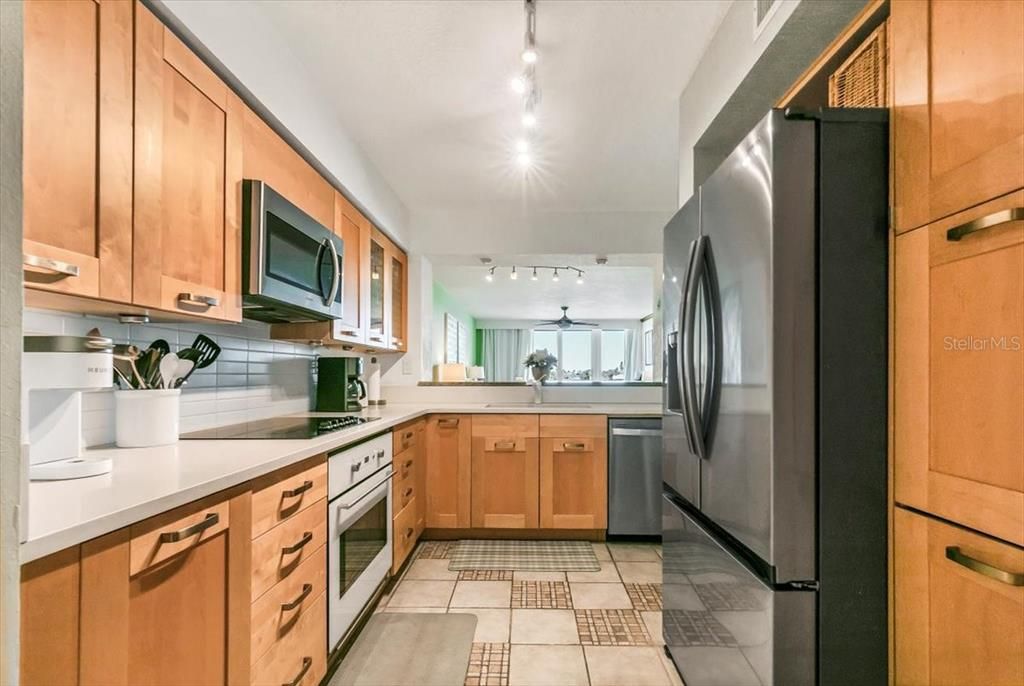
[
  {"x": 681, "y": 357},
  {"x": 695, "y": 275},
  {"x": 713, "y": 385}
]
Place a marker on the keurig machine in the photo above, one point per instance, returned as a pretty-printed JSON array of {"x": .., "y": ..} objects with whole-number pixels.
[{"x": 338, "y": 386}]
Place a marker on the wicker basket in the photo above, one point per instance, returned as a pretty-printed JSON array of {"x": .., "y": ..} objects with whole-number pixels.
[{"x": 860, "y": 80}]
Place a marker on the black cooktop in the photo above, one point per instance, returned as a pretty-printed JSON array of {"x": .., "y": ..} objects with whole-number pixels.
[{"x": 278, "y": 428}]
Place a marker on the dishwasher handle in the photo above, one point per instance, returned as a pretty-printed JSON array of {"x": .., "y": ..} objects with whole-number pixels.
[{"x": 653, "y": 433}]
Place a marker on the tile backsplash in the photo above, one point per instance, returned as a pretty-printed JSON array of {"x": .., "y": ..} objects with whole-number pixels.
[{"x": 253, "y": 378}]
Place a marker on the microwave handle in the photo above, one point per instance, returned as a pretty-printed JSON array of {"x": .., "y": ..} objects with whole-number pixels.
[{"x": 336, "y": 274}]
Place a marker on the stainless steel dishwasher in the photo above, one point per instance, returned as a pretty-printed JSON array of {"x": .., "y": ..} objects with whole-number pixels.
[{"x": 634, "y": 477}]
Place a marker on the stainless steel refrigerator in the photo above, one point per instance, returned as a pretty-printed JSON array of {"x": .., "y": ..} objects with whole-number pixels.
[{"x": 774, "y": 426}]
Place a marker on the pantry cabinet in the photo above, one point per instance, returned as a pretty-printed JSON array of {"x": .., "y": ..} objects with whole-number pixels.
[
  {"x": 188, "y": 179},
  {"x": 573, "y": 472},
  {"x": 959, "y": 605},
  {"x": 77, "y": 147},
  {"x": 959, "y": 368},
  {"x": 505, "y": 472},
  {"x": 449, "y": 456},
  {"x": 958, "y": 106}
]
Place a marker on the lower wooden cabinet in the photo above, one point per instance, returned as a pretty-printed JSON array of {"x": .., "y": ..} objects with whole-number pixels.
[
  {"x": 505, "y": 472},
  {"x": 448, "y": 442},
  {"x": 299, "y": 658},
  {"x": 50, "y": 590},
  {"x": 959, "y": 605},
  {"x": 407, "y": 500},
  {"x": 573, "y": 472}
]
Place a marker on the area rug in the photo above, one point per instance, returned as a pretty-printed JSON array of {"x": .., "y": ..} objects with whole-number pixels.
[
  {"x": 407, "y": 649},
  {"x": 527, "y": 556}
]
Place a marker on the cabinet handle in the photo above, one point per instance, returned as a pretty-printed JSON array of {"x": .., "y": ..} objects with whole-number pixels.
[
  {"x": 447, "y": 423},
  {"x": 379, "y": 339},
  {"x": 292, "y": 492},
  {"x": 408, "y": 435},
  {"x": 48, "y": 263},
  {"x": 504, "y": 446},
  {"x": 574, "y": 446},
  {"x": 307, "y": 662},
  {"x": 1001, "y": 575},
  {"x": 408, "y": 463},
  {"x": 189, "y": 531},
  {"x": 306, "y": 590},
  {"x": 408, "y": 533},
  {"x": 348, "y": 333},
  {"x": 987, "y": 222},
  {"x": 299, "y": 545},
  {"x": 408, "y": 492},
  {"x": 194, "y": 300}
]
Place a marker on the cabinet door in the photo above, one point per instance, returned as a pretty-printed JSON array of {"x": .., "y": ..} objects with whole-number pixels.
[
  {"x": 77, "y": 147},
  {"x": 49, "y": 619},
  {"x": 399, "y": 290},
  {"x": 958, "y": 106},
  {"x": 355, "y": 234},
  {"x": 376, "y": 335},
  {"x": 448, "y": 462},
  {"x": 505, "y": 488},
  {"x": 188, "y": 173},
  {"x": 958, "y": 606},
  {"x": 959, "y": 369},
  {"x": 573, "y": 483}
]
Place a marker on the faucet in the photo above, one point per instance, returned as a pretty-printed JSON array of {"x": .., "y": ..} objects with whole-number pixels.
[{"x": 538, "y": 391}]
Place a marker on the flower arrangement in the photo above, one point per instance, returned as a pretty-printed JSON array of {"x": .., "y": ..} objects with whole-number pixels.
[{"x": 541, "y": 362}]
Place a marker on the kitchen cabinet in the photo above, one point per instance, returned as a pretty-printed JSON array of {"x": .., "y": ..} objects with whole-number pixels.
[
  {"x": 407, "y": 495},
  {"x": 77, "y": 147},
  {"x": 505, "y": 471},
  {"x": 449, "y": 458},
  {"x": 49, "y": 617},
  {"x": 397, "y": 299},
  {"x": 958, "y": 106},
  {"x": 958, "y": 414},
  {"x": 958, "y": 605},
  {"x": 573, "y": 472},
  {"x": 354, "y": 230},
  {"x": 188, "y": 174},
  {"x": 377, "y": 321}
]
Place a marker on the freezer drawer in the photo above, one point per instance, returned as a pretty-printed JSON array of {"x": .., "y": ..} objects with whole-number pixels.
[
  {"x": 634, "y": 477},
  {"x": 721, "y": 624}
]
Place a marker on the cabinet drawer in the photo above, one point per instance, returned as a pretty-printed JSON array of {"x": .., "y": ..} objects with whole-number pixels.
[
  {"x": 286, "y": 492},
  {"x": 277, "y": 613},
  {"x": 404, "y": 487},
  {"x": 407, "y": 436},
  {"x": 573, "y": 425},
  {"x": 279, "y": 552},
  {"x": 300, "y": 657},
  {"x": 165, "y": 535},
  {"x": 404, "y": 534},
  {"x": 505, "y": 425}
]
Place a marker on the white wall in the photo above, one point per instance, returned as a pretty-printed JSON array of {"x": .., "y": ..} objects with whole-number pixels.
[{"x": 250, "y": 48}]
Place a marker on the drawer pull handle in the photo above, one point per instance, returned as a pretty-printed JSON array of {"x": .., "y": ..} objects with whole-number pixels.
[
  {"x": 987, "y": 222},
  {"x": 307, "y": 662},
  {"x": 574, "y": 446},
  {"x": 408, "y": 435},
  {"x": 379, "y": 339},
  {"x": 193, "y": 300},
  {"x": 292, "y": 492},
  {"x": 408, "y": 533},
  {"x": 50, "y": 264},
  {"x": 306, "y": 590},
  {"x": 189, "y": 531},
  {"x": 408, "y": 492},
  {"x": 298, "y": 545},
  {"x": 504, "y": 446},
  {"x": 1001, "y": 575},
  {"x": 408, "y": 463},
  {"x": 447, "y": 423}
]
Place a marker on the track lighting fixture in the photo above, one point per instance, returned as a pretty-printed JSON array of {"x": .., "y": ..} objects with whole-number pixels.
[{"x": 555, "y": 272}]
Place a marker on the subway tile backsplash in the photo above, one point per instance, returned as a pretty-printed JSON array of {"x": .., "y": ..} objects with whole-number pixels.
[{"x": 253, "y": 378}]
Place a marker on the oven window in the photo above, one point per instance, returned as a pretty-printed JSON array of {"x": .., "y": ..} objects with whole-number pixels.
[
  {"x": 294, "y": 257},
  {"x": 361, "y": 542}
]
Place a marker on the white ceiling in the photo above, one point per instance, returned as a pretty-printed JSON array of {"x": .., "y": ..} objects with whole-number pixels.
[
  {"x": 622, "y": 289},
  {"x": 423, "y": 88}
]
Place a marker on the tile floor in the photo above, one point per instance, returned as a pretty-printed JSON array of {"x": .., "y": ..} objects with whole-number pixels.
[{"x": 550, "y": 628}]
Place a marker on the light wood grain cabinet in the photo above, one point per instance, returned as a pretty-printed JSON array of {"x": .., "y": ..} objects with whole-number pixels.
[
  {"x": 959, "y": 606},
  {"x": 505, "y": 472},
  {"x": 449, "y": 457},
  {"x": 958, "y": 106},
  {"x": 50, "y": 589},
  {"x": 188, "y": 174},
  {"x": 77, "y": 147},
  {"x": 573, "y": 472},
  {"x": 398, "y": 298},
  {"x": 407, "y": 495},
  {"x": 959, "y": 370},
  {"x": 354, "y": 230}
]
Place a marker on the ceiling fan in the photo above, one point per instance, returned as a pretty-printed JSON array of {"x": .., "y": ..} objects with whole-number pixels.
[{"x": 564, "y": 322}]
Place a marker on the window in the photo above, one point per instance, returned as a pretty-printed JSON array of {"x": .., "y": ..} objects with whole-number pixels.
[
  {"x": 546, "y": 340},
  {"x": 613, "y": 356},
  {"x": 575, "y": 362}
]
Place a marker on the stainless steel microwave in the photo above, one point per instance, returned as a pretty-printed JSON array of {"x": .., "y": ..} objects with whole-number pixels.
[{"x": 291, "y": 264}]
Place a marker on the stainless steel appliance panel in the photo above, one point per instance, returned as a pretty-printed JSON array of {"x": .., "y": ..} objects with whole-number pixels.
[{"x": 634, "y": 477}]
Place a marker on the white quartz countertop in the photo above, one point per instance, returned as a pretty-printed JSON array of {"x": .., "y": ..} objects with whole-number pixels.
[{"x": 147, "y": 481}]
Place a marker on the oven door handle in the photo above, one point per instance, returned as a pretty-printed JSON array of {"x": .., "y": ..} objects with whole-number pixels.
[{"x": 349, "y": 506}]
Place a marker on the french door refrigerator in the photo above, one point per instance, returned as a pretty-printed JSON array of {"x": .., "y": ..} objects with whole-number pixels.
[{"x": 774, "y": 427}]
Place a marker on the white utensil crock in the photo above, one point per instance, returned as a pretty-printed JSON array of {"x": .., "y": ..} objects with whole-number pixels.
[{"x": 147, "y": 418}]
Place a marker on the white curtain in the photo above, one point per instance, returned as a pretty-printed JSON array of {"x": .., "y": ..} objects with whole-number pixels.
[
  {"x": 504, "y": 351},
  {"x": 635, "y": 353}
]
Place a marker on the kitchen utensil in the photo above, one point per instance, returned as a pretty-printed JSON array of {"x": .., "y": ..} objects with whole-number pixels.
[
  {"x": 149, "y": 366},
  {"x": 168, "y": 370},
  {"x": 184, "y": 370},
  {"x": 125, "y": 357},
  {"x": 123, "y": 379},
  {"x": 208, "y": 351}
]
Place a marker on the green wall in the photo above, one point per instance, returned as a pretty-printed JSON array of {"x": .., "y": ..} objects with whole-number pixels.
[{"x": 445, "y": 303}]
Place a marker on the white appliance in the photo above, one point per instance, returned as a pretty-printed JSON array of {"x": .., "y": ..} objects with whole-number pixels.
[
  {"x": 359, "y": 530},
  {"x": 55, "y": 371}
]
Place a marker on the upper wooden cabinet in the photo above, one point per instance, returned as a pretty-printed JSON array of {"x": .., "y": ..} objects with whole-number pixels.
[
  {"x": 573, "y": 471},
  {"x": 188, "y": 179},
  {"x": 958, "y": 415},
  {"x": 377, "y": 322},
  {"x": 958, "y": 106},
  {"x": 354, "y": 230},
  {"x": 77, "y": 148},
  {"x": 399, "y": 287},
  {"x": 958, "y": 606},
  {"x": 448, "y": 468},
  {"x": 505, "y": 483}
]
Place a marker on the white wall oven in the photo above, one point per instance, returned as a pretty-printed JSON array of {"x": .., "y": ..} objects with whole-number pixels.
[{"x": 359, "y": 526}]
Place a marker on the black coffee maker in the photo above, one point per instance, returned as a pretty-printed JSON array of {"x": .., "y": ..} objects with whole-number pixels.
[{"x": 338, "y": 386}]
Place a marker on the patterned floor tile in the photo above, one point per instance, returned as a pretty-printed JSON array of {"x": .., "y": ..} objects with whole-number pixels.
[
  {"x": 719, "y": 597},
  {"x": 612, "y": 628},
  {"x": 695, "y": 628},
  {"x": 541, "y": 595},
  {"x": 645, "y": 596},
  {"x": 485, "y": 575},
  {"x": 488, "y": 665},
  {"x": 435, "y": 550}
]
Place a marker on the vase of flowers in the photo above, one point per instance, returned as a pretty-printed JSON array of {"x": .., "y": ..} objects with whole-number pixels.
[{"x": 541, "y": 363}]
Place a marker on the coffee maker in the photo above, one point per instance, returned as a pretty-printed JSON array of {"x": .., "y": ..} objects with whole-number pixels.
[{"x": 338, "y": 386}]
